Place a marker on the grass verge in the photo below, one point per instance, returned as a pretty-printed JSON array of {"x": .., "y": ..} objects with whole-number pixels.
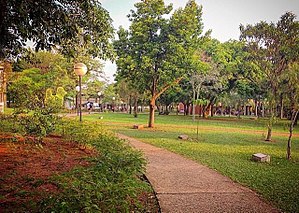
[{"x": 226, "y": 145}]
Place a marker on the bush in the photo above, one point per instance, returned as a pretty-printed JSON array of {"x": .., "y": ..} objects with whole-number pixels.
[
  {"x": 80, "y": 132},
  {"x": 109, "y": 185},
  {"x": 40, "y": 124},
  {"x": 9, "y": 123}
]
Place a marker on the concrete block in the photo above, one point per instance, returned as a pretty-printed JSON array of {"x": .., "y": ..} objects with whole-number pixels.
[
  {"x": 260, "y": 157},
  {"x": 138, "y": 126},
  {"x": 183, "y": 137}
]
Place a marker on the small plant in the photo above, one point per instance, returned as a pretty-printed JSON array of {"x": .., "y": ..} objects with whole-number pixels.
[
  {"x": 8, "y": 123},
  {"x": 40, "y": 124},
  {"x": 199, "y": 102}
]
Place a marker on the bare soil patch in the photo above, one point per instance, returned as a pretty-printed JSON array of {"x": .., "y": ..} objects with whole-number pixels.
[{"x": 26, "y": 168}]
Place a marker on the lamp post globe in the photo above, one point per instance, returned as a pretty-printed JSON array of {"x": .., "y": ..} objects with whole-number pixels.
[{"x": 80, "y": 69}]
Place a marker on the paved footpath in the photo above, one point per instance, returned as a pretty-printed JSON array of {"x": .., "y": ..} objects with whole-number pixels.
[{"x": 185, "y": 186}]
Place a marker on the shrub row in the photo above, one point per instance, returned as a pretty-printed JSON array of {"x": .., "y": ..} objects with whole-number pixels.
[{"x": 110, "y": 184}]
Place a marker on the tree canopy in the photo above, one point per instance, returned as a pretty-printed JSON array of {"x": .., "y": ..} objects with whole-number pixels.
[
  {"x": 272, "y": 47},
  {"x": 154, "y": 53},
  {"x": 66, "y": 23}
]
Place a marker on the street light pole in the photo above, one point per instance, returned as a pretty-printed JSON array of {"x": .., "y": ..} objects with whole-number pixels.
[
  {"x": 80, "y": 97},
  {"x": 100, "y": 105},
  {"x": 80, "y": 70},
  {"x": 113, "y": 107},
  {"x": 2, "y": 85},
  {"x": 77, "y": 101}
]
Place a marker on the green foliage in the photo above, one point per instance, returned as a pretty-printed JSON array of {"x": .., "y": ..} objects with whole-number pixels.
[
  {"x": 109, "y": 184},
  {"x": 49, "y": 24},
  {"x": 200, "y": 102},
  {"x": 10, "y": 124},
  {"x": 272, "y": 48},
  {"x": 79, "y": 132},
  {"x": 156, "y": 52},
  {"x": 36, "y": 124},
  {"x": 27, "y": 90},
  {"x": 57, "y": 71},
  {"x": 39, "y": 124},
  {"x": 54, "y": 103}
]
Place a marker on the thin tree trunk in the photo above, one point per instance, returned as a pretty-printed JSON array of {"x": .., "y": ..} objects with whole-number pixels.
[
  {"x": 256, "y": 108},
  {"x": 281, "y": 106},
  {"x": 239, "y": 110},
  {"x": 270, "y": 125},
  {"x": 187, "y": 106},
  {"x": 130, "y": 103},
  {"x": 135, "y": 106},
  {"x": 294, "y": 117},
  {"x": 151, "y": 116},
  {"x": 193, "y": 107}
]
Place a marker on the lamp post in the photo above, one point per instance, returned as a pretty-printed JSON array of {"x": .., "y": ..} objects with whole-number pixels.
[
  {"x": 113, "y": 107},
  {"x": 1, "y": 89},
  {"x": 80, "y": 69},
  {"x": 77, "y": 89},
  {"x": 100, "y": 105}
]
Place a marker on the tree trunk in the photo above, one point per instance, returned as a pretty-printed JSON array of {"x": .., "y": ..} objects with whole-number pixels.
[
  {"x": 151, "y": 116},
  {"x": 239, "y": 110},
  {"x": 269, "y": 133},
  {"x": 256, "y": 108},
  {"x": 270, "y": 124},
  {"x": 130, "y": 103},
  {"x": 186, "y": 108},
  {"x": 281, "y": 106},
  {"x": 294, "y": 117},
  {"x": 135, "y": 106},
  {"x": 193, "y": 107}
]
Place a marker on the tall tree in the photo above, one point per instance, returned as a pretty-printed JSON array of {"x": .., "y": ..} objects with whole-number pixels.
[
  {"x": 290, "y": 80},
  {"x": 51, "y": 23},
  {"x": 272, "y": 48},
  {"x": 155, "y": 52}
]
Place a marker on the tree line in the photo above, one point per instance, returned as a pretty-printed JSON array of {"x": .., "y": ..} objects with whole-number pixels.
[{"x": 164, "y": 57}]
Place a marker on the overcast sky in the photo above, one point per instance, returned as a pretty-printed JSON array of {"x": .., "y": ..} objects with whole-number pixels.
[{"x": 223, "y": 17}]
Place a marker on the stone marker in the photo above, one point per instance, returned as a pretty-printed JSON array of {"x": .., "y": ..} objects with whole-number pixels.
[
  {"x": 138, "y": 126},
  {"x": 183, "y": 137},
  {"x": 260, "y": 157}
]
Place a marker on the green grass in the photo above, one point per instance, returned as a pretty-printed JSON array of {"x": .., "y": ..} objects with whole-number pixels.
[{"x": 226, "y": 145}]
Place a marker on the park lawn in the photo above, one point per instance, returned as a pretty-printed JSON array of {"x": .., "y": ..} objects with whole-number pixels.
[{"x": 226, "y": 145}]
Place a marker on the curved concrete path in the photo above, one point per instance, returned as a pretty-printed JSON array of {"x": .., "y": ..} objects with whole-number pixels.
[{"x": 185, "y": 186}]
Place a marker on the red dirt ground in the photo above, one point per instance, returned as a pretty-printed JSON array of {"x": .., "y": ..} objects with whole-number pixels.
[{"x": 26, "y": 168}]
